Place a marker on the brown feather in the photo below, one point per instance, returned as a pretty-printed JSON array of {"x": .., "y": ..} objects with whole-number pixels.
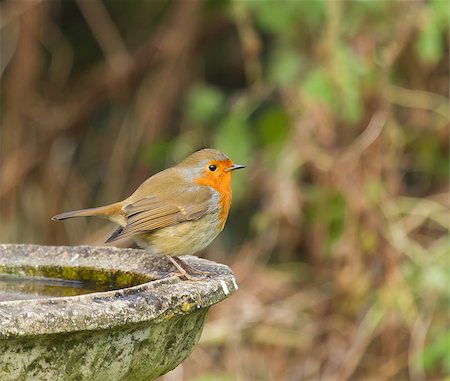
[
  {"x": 102, "y": 211},
  {"x": 152, "y": 212}
]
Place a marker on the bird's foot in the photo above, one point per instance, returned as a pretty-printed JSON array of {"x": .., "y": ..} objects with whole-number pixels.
[{"x": 186, "y": 271}]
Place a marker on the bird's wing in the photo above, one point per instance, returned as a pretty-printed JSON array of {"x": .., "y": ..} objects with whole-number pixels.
[{"x": 153, "y": 212}]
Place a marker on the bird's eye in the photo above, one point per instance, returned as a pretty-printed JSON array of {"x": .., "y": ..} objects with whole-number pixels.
[{"x": 212, "y": 167}]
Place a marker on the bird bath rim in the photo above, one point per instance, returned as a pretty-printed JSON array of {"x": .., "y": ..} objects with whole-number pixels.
[{"x": 160, "y": 297}]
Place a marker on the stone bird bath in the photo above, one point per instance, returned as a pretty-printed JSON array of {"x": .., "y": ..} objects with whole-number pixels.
[{"x": 144, "y": 325}]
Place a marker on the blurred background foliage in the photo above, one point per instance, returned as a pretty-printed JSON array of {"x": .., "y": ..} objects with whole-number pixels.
[{"x": 338, "y": 233}]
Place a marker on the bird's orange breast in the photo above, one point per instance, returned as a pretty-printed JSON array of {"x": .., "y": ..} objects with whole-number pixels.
[{"x": 222, "y": 184}]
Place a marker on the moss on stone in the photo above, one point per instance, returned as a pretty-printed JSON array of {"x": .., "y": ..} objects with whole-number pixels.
[{"x": 111, "y": 278}]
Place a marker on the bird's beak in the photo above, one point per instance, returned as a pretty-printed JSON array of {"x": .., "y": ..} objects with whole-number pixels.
[{"x": 234, "y": 167}]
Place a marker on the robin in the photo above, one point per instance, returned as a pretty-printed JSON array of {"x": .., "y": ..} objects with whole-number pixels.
[{"x": 177, "y": 211}]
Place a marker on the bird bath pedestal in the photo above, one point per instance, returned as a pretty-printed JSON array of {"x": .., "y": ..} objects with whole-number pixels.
[{"x": 143, "y": 324}]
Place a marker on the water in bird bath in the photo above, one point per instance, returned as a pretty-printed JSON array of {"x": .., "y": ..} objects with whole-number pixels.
[
  {"x": 26, "y": 283},
  {"x": 15, "y": 287}
]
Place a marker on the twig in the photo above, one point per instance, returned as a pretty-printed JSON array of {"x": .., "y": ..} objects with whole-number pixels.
[
  {"x": 419, "y": 99},
  {"x": 367, "y": 137},
  {"x": 106, "y": 33}
]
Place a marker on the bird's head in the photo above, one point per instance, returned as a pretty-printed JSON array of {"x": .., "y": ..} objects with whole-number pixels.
[{"x": 210, "y": 167}]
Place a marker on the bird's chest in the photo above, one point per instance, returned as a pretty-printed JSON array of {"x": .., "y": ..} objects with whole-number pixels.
[{"x": 183, "y": 239}]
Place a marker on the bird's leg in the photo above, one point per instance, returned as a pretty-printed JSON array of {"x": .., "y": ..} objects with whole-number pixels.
[
  {"x": 191, "y": 270},
  {"x": 187, "y": 271},
  {"x": 183, "y": 273}
]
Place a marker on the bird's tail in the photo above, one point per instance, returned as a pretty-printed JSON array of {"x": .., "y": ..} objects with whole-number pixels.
[{"x": 108, "y": 211}]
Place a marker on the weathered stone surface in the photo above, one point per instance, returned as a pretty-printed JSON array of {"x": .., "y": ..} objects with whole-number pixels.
[{"x": 134, "y": 333}]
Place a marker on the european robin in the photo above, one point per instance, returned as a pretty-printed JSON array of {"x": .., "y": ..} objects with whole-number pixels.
[{"x": 178, "y": 211}]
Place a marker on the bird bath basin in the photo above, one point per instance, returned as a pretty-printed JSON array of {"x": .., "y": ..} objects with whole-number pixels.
[{"x": 99, "y": 313}]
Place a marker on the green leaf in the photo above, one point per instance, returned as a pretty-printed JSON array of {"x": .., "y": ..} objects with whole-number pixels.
[
  {"x": 318, "y": 88},
  {"x": 273, "y": 125},
  {"x": 437, "y": 352},
  {"x": 285, "y": 66},
  {"x": 283, "y": 17},
  {"x": 429, "y": 43},
  {"x": 204, "y": 103}
]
